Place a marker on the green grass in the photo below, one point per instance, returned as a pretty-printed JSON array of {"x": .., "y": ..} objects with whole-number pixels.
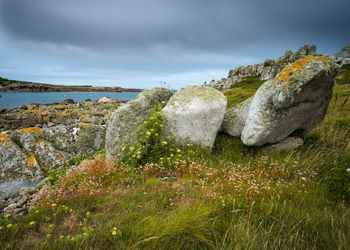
[
  {"x": 234, "y": 198},
  {"x": 243, "y": 90},
  {"x": 344, "y": 75}
]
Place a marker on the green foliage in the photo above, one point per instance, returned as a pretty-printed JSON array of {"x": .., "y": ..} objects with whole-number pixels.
[
  {"x": 153, "y": 147},
  {"x": 344, "y": 75}
]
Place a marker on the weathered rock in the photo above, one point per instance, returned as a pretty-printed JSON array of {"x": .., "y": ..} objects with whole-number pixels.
[
  {"x": 11, "y": 188},
  {"x": 294, "y": 102},
  {"x": 345, "y": 52},
  {"x": 90, "y": 138},
  {"x": 194, "y": 115},
  {"x": 46, "y": 115},
  {"x": 32, "y": 141},
  {"x": 62, "y": 137},
  {"x": 266, "y": 70},
  {"x": 27, "y": 137},
  {"x": 104, "y": 100},
  {"x": 17, "y": 169},
  {"x": 50, "y": 157},
  {"x": 235, "y": 118},
  {"x": 68, "y": 101},
  {"x": 288, "y": 144},
  {"x": 122, "y": 126}
]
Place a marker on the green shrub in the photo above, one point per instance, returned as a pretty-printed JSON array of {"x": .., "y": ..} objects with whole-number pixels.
[{"x": 153, "y": 147}]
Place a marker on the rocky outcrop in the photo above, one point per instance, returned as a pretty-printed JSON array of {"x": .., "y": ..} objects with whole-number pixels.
[
  {"x": 19, "y": 204},
  {"x": 266, "y": 70},
  {"x": 122, "y": 127},
  {"x": 344, "y": 53},
  {"x": 342, "y": 57},
  {"x": 292, "y": 103},
  {"x": 194, "y": 115},
  {"x": 17, "y": 167},
  {"x": 65, "y": 113},
  {"x": 26, "y": 153}
]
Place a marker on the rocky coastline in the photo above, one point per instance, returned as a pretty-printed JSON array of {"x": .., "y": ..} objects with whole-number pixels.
[{"x": 35, "y": 138}]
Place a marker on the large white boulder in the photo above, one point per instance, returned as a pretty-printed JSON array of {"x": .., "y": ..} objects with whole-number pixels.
[
  {"x": 123, "y": 124},
  {"x": 292, "y": 103},
  {"x": 194, "y": 115}
]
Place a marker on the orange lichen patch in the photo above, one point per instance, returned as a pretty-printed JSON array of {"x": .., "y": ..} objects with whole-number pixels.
[
  {"x": 287, "y": 73},
  {"x": 31, "y": 161},
  {"x": 32, "y": 130}
]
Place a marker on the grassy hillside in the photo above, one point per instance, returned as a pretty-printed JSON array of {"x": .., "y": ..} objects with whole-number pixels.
[{"x": 234, "y": 198}]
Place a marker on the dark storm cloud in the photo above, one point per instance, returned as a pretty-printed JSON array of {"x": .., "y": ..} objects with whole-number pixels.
[
  {"x": 147, "y": 41},
  {"x": 189, "y": 24}
]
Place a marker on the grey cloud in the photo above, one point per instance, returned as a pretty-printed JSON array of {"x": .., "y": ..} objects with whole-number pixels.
[
  {"x": 167, "y": 36},
  {"x": 197, "y": 24}
]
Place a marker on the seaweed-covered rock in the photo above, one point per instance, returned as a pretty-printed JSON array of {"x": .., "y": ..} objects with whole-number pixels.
[
  {"x": 194, "y": 115},
  {"x": 122, "y": 126},
  {"x": 294, "y": 102}
]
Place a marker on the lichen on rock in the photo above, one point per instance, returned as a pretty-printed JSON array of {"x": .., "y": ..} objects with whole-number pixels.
[
  {"x": 122, "y": 126},
  {"x": 295, "y": 102},
  {"x": 194, "y": 115}
]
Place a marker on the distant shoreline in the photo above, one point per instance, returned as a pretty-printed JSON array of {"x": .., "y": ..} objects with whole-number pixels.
[{"x": 7, "y": 85}]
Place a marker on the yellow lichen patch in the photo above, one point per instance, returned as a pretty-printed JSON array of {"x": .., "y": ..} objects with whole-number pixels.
[
  {"x": 32, "y": 130},
  {"x": 3, "y": 137},
  {"x": 82, "y": 116},
  {"x": 62, "y": 114},
  {"x": 286, "y": 75},
  {"x": 4, "y": 140},
  {"x": 84, "y": 124},
  {"x": 36, "y": 111},
  {"x": 31, "y": 161}
]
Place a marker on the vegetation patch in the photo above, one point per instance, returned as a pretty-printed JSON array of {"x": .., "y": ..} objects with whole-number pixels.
[
  {"x": 242, "y": 91},
  {"x": 153, "y": 147},
  {"x": 344, "y": 75}
]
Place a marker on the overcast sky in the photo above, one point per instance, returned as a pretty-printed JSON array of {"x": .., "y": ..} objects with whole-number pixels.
[{"x": 140, "y": 43}]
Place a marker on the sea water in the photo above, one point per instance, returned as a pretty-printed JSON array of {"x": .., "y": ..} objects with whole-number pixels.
[{"x": 16, "y": 99}]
